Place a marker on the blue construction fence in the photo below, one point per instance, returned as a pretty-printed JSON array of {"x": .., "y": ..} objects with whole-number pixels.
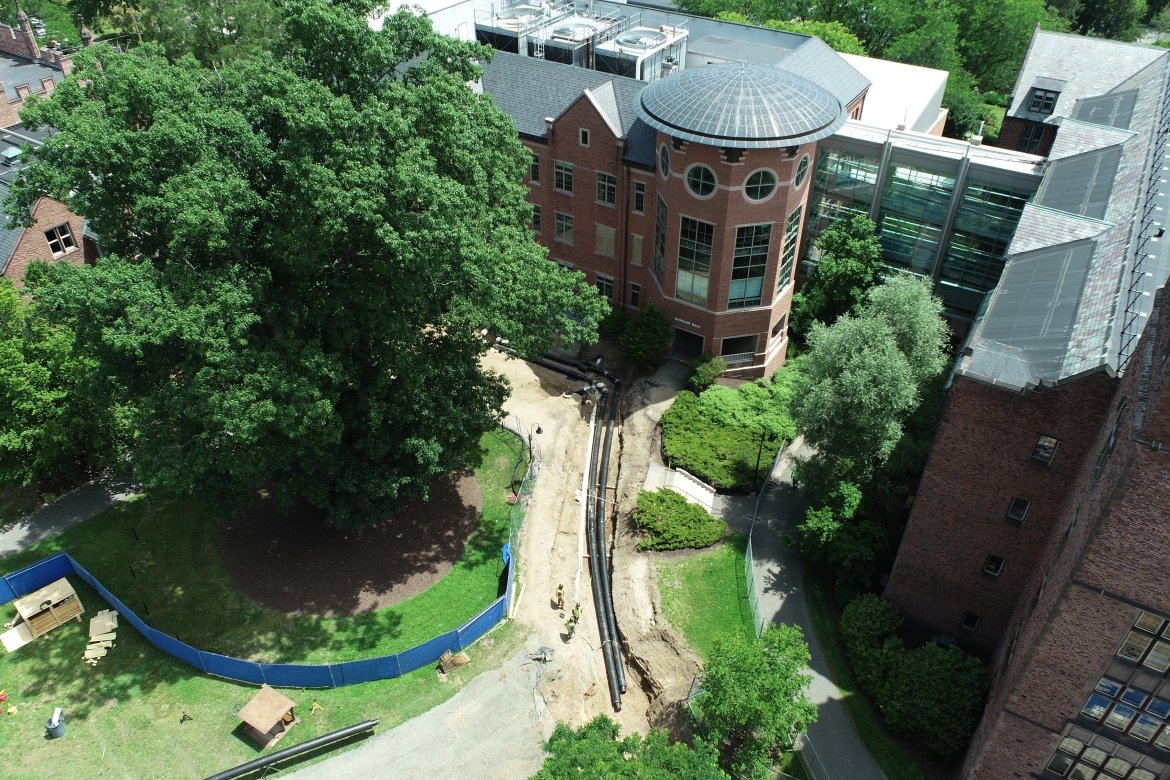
[{"x": 38, "y": 575}]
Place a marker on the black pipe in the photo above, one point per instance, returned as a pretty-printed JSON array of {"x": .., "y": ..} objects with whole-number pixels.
[
  {"x": 597, "y": 570},
  {"x": 295, "y": 750},
  {"x": 607, "y": 585}
]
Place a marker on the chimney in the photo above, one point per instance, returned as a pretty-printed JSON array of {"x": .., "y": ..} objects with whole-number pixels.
[
  {"x": 34, "y": 51},
  {"x": 23, "y": 91}
]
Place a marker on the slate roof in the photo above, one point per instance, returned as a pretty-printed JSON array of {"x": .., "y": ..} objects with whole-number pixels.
[
  {"x": 1077, "y": 287},
  {"x": 12, "y": 138}
]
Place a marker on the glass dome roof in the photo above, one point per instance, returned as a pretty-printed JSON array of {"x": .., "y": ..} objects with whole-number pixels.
[{"x": 741, "y": 107}]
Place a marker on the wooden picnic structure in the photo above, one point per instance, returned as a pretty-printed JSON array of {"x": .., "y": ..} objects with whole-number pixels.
[
  {"x": 268, "y": 716},
  {"x": 51, "y": 606}
]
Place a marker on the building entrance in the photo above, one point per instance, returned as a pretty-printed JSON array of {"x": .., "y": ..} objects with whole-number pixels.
[{"x": 686, "y": 345}]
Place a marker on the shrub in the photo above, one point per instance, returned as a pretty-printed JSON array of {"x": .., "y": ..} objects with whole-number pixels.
[
  {"x": 707, "y": 369},
  {"x": 672, "y": 523},
  {"x": 719, "y": 455},
  {"x": 932, "y": 695},
  {"x": 646, "y": 339}
]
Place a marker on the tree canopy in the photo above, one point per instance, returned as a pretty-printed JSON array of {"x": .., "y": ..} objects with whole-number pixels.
[
  {"x": 53, "y": 427},
  {"x": 595, "y": 750},
  {"x": 303, "y": 247},
  {"x": 755, "y": 697},
  {"x": 849, "y": 263}
]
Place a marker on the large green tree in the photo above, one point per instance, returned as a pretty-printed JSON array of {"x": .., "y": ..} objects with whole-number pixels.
[
  {"x": 598, "y": 750},
  {"x": 755, "y": 700},
  {"x": 849, "y": 263},
  {"x": 303, "y": 248},
  {"x": 908, "y": 305},
  {"x": 54, "y": 427}
]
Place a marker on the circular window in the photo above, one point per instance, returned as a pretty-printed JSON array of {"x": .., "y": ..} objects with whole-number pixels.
[
  {"x": 701, "y": 180},
  {"x": 802, "y": 171},
  {"x": 664, "y": 161},
  {"x": 760, "y": 185}
]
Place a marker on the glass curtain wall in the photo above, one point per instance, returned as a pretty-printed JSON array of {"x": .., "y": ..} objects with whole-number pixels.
[
  {"x": 844, "y": 186},
  {"x": 914, "y": 209},
  {"x": 984, "y": 226}
]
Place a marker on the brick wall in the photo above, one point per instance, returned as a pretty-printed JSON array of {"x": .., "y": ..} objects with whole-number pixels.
[
  {"x": 981, "y": 460},
  {"x": 15, "y": 42},
  {"x": 33, "y": 245},
  {"x": 1013, "y": 129},
  {"x": 728, "y": 209},
  {"x": 1105, "y": 561}
]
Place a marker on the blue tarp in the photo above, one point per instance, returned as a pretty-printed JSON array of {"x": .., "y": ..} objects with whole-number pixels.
[{"x": 482, "y": 623}]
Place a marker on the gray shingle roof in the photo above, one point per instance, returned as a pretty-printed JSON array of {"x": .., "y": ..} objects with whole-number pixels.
[
  {"x": 1077, "y": 286},
  {"x": 818, "y": 63},
  {"x": 529, "y": 90}
]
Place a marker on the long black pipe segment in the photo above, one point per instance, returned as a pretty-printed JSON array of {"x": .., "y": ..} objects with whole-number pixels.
[
  {"x": 602, "y": 486},
  {"x": 295, "y": 750},
  {"x": 597, "y": 569}
]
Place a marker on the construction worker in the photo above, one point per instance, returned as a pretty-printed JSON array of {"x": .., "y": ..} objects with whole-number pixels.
[
  {"x": 577, "y": 613},
  {"x": 570, "y": 626},
  {"x": 560, "y": 596}
]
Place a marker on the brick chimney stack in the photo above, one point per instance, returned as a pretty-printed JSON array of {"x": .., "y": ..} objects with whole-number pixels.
[{"x": 34, "y": 51}]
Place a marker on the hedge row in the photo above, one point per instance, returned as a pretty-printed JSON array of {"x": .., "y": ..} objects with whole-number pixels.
[{"x": 670, "y": 522}]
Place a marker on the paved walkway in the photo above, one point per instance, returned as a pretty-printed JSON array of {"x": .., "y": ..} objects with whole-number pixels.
[
  {"x": 69, "y": 510},
  {"x": 832, "y": 748}
]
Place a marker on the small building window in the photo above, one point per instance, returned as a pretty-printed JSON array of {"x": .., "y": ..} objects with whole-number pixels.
[
  {"x": 664, "y": 161},
  {"x": 60, "y": 240},
  {"x": 639, "y": 197},
  {"x": 970, "y": 622},
  {"x": 563, "y": 176},
  {"x": 1043, "y": 101},
  {"x": 701, "y": 181},
  {"x": 604, "y": 240},
  {"x": 534, "y": 169},
  {"x": 739, "y": 349},
  {"x": 635, "y": 249},
  {"x": 605, "y": 286},
  {"x": 536, "y": 219},
  {"x": 802, "y": 171},
  {"x": 1030, "y": 138},
  {"x": 564, "y": 228},
  {"x": 635, "y": 295},
  {"x": 993, "y": 566},
  {"x": 1045, "y": 449},
  {"x": 606, "y": 188},
  {"x": 781, "y": 325},
  {"x": 759, "y": 185},
  {"x": 1018, "y": 511},
  {"x": 584, "y": 137}
]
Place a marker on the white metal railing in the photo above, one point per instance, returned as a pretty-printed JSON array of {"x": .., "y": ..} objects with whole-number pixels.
[{"x": 739, "y": 357}]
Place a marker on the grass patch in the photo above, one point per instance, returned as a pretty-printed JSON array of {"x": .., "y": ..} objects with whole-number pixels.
[
  {"x": 704, "y": 595},
  {"x": 896, "y": 761},
  {"x": 159, "y": 556}
]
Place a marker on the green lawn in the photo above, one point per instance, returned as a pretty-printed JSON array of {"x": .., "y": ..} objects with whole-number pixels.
[
  {"x": 123, "y": 715},
  {"x": 704, "y": 595},
  {"x": 896, "y": 761}
]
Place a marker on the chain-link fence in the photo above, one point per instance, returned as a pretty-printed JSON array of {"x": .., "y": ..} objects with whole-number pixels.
[{"x": 523, "y": 480}]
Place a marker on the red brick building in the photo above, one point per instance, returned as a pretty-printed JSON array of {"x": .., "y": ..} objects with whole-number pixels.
[
  {"x": 1039, "y": 530},
  {"x": 699, "y": 214}
]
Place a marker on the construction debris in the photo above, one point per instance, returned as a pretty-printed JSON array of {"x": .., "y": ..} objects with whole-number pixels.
[{"x": 101, "y": 635}]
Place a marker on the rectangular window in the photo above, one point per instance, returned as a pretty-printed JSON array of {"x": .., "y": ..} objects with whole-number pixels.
[
  {"x": 751, "y": 261},
  {"x": 603, "y": 240},
  {"x": 788, "y": 258},
  {"x": 1018, "y": 511},
  {"x": 635, "y": 249},
  {"x": 659, "y": 239},
  {"x": 564, "y": 227},
  {"x": 584, "y": 137},
  {"x": 536, "y": 219},
  {"x": 993, "y": 566},
  {"x": 60, "y": 240},
  {"x": 639, "y": 197},
  {"x": 970, "y": 622},
  {"x": 605, "y": 286},
  {"x": 563, "y": 176},
  {"x": 606, "y": 188},
  {"x": 635, "y": 295},
  {"x": 1045, "y": 449},
  {"x": 1043, "y": 101},
  {"x": 1030, "y": 138},
  {"x": 695, "y": 240},
  {"x": 781, "y": 325},
  {"x": 534, "y": 168}
]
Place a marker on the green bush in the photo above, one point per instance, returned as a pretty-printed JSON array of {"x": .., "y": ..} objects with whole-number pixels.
[
  {"x": 670, "y": 522},
  {"x": 932, "y": 695},
  {"x": 721, "y": 456},
  {"x": 646, "y": 339},
  {"x": 707, "y": 369}
]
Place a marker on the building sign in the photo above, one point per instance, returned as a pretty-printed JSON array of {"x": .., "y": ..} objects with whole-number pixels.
[{"x": 687, "y": 322}]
